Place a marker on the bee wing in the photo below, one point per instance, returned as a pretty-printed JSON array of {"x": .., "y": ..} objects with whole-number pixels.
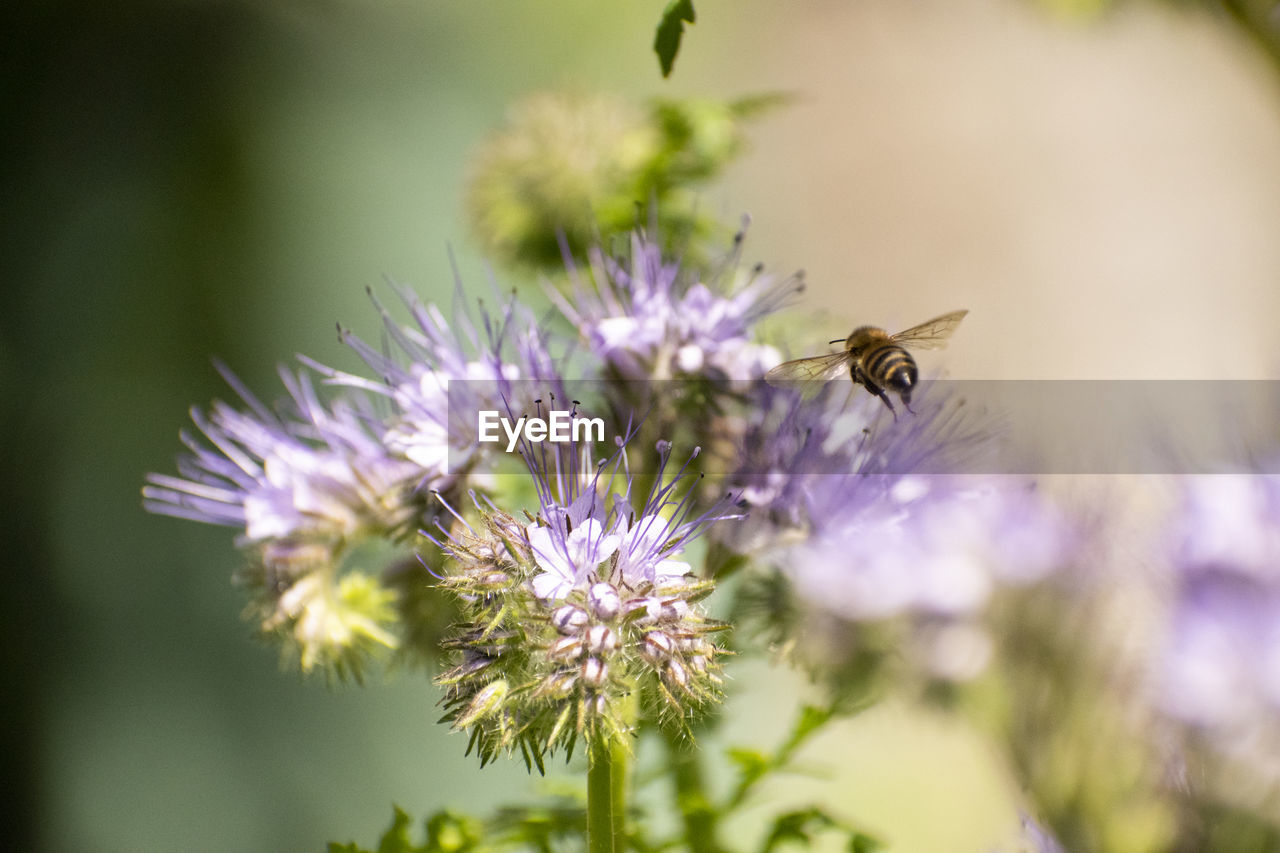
[
  {"x": 819, "y": 368},
  {"x": 931, "y": 334}
]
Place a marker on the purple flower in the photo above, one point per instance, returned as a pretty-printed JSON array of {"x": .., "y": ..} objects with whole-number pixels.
[
  {"x": 589, "y": 532},
  {"x": 441, "y": 375},
  {"x": 568, "y": 617},
  {"x": 647, "y": 319},
  {"x": 308, "y": 472},
  {"x": 1220, "y": 667},
  {"x": 303, "y": 484}
]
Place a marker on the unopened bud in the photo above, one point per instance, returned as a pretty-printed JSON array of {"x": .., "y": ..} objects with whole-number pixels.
[
  {"x": 693, "y": 644},
  {"x": 569, "y": 620},
  {"x": 595, "y": 673},
  {"x": 673, "y": 610},
  {"x": 601, "y": 640},
  {"x": 604, "y": 601},
  {"x": 559, "y": 684},
  {"x": 495, "y": 581},
  {"x": 657, "y": 647},
  {"x": 676, "y": 673},
  {"x": 483, "y": 703},
  {"x": 565, "y": 648}
]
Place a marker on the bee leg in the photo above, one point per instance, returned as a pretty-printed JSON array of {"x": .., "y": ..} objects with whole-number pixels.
[{"x": 884, "y": 398}]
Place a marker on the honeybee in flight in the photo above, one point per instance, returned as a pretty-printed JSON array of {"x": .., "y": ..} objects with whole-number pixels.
[{"x": 876, "y": 359}]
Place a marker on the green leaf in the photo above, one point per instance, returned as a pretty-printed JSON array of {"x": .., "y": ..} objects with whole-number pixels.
[
  {"x": 396, "y": 839},
  {"x": 451, "y": 832},
  {"x": 752, "y": 763},
  {"x": 666, "y": 42},
  {"x": 798, "y": 827},
  {"x": 811, "y": 719},
  {"x": 862, "y": 843}
]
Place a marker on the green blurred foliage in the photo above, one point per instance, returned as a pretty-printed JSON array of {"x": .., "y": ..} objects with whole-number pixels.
[{"x": 587, "y": 168}]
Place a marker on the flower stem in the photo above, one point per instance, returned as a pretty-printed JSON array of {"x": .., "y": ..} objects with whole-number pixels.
[{"x": 604, "y": 816}]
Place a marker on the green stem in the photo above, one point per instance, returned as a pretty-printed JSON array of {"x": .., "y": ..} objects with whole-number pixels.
[
  {"x": 696, "y": 809},
  {"x": 602, "y": 798},
  {"x": 620, "y": 759}
]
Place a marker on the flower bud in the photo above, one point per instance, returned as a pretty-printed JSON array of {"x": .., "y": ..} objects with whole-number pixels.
[
  {"x": 693, "y": 644},
  {"x": 557, "y": 685},
  {"x": 601, "y": 639},
  {"x": 565, "y": 648},
  {"x": 493, "y": 581},
  {"x": 604, "y": 601},
  {"x": 569, "y": 620},
  {"x": 673, "y": 610},
  {"x": 483, "y": 704},
  {"x": 657, "y": 647},
  {"x": 595, "y": 673},
  {"x": 676, "y": 673}
]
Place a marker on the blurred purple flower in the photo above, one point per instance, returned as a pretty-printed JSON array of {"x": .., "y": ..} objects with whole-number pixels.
[
  {"x": 1220, "y": 667},
  {"x": 855, "y": 512}
]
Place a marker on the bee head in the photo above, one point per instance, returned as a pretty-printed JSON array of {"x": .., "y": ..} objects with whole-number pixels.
[{"x": 862, "y": 337}]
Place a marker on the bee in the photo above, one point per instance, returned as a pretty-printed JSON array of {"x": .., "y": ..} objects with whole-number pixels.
[{"x": 877, "y": 360}]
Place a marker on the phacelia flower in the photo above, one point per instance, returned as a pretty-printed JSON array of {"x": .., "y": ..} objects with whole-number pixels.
[
  {"x": 570, "y": 614},
  {"x": 647, "y": 318},
  {"x": 445, "y": 372},
  {"x": 310, "y": 472},
  {"x": 309, "y": 483},
  {"x": 302, "y": 484}
]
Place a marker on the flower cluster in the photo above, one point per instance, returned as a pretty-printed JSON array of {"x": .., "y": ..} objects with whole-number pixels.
[
  {"x": 586, "y": 615},
  {"x": 569, "y": 616}
]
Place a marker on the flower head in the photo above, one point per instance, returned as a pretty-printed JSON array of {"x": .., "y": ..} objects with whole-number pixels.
[
  {"x": 573, "y": 612},
  {"x": 570, "y": 167},
  {"x": 304, "y": 484},
  {"x": 645, "y": 318},
  {"x": 310, "y": 472},
  {"x": 443, "y": 371}
]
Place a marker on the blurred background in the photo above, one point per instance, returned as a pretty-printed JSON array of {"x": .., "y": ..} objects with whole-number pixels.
[{"x": 185, "y": 180}]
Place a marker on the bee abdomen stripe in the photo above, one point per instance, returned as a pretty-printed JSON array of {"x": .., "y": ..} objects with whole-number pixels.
[{"x": 885, "y": 360}]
